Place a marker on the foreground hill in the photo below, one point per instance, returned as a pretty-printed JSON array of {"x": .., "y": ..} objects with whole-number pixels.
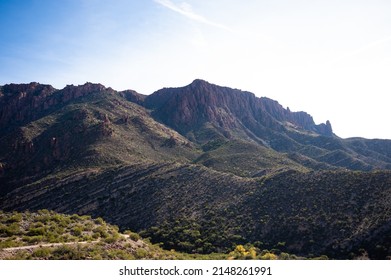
[
  {"x": 47, "y": 235},
  {"x": 200, "y": 169}
]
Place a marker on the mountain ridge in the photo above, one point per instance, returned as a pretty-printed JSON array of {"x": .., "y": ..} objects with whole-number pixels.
[
  {"x": 199, "y": 168},
  {"x": 202, "y": 97}
]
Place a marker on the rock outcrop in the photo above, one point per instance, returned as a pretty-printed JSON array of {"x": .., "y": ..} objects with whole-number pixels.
[
  {"x": 21, "y": 103},
  {"x": 200, "y": 102}
]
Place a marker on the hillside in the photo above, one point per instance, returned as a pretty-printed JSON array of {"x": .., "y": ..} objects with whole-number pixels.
[
  {"x": 77, "y": 128},
  {"x": 201, "y": 169},
  {"x": 207, "y": 113},
  {"x": 47, "y": 235}
]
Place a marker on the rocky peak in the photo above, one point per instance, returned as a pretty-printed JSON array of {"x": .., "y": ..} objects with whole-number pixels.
[
  {"x": 133, "y": 96},
  {"x": 300, "y": 119},
  {"x": 200, "y": 102},
  {"x": 71, "y": 92},
  {"x": 192, "y": 106},
  {"x": 325, "y": 129},
  {"x": 199, "y": 83},
  {"x": 24, "y": 92},
  {"x": 20, "y": 101},
  {"x": 23, "y": 102},
  {"x": 32, "y": 88}
]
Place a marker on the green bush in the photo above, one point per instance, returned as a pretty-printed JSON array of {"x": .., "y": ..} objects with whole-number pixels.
[
  {"x": 43, "y": 252},
  {"x": 9, "y": 242},
  {"x": 15, "y": 218},
  {"x": 102, "y": 230},
  {"x": 35, "y": 239},
  {"x": 110, "y": 239},
  {"x": 77, "y": 231},
  {"x": 99, "y": 221},
  {"x": 269, "y": 256},
  {"x": 67, "y": 253},
  {"x": 117, "y": 254},
  {"x": 141, "y": 253},
  {"x": 133, "y": 236},
  {"x": 36, "y": 231},
  {"x": 9, "y": 230},
  {"x": 88, "y": 226}
]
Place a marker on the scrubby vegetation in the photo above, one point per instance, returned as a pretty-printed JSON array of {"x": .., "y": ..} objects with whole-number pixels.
[
  {"x": 310, "y": 214},
  {"x": 48, "y": 235},
  {"x": 29, "y": 228}
]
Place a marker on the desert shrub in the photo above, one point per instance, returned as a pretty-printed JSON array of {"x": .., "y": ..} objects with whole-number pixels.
[
  {"x": 269, "y": 256},
  {"x": 99, "y": 221},
  {"x": 36, "y": 231},
  {"x": 88, "y": 226},
  {"x": 67, "y": 253},
  {"x": 241, "y": 252},
  {"x": 117, "y": 254},
  {"x": 77, "y": 231},
  {"x": 85, "y": 217},
  {"x": 110, "y": 239},
  {"x": 15, "y": 218},
  {"x": 141, "y": 253},
  {"x": 54, "y": 227},
  {"x": 284, "y": 256},
  {"x": 68, "y": 238},
  {"x": 43, "y": 252},
  {"x": 134, "y": 236},
  {"x": 102, "y": 230},
  {"x": 9, "y": 230},
  {"x": 35, "y": 239},
  {"x": 43, "y": 216},
  {"x": 75, "y": 217},
  {"x": 9, "y": 242}
]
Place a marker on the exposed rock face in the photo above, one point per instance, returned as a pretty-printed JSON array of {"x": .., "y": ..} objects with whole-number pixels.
[
  {"x": 23, "y": 103},
  {"x": 20, "y": 103},
  {"x": 133, "y": 96},
  {"x": 301, "y": 119},
  {"x": 191, "y": 106},
  {"x": 196, "y": 104},
  {"x": 325, "y": 129},
  {"x": 71, "y": 92}
]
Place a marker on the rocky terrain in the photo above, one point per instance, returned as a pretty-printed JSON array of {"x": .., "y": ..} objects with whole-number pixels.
[{"x": 201, "y": 168}]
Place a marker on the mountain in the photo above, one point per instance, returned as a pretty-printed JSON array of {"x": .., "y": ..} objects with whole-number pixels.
[
  {"x": 199, "y": 168},
  {"x": 210, "y": 115},
  {"x": 189, "y": 108},
  {"x": 77, "y": 127}
]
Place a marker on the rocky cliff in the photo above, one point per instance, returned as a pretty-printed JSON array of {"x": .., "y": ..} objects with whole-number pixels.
[
  {"x": 200, "y": 102},
  {"x": 21, "y": 103}
]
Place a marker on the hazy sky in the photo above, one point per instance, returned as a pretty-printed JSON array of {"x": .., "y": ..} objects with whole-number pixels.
[{"x": 329, "y": 58}]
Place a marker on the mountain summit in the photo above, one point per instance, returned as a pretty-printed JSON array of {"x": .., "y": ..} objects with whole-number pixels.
[{"x": 228, "y": 110}]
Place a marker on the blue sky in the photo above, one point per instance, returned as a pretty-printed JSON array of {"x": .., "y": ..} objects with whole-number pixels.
[{"x": 331, "y": 59}]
